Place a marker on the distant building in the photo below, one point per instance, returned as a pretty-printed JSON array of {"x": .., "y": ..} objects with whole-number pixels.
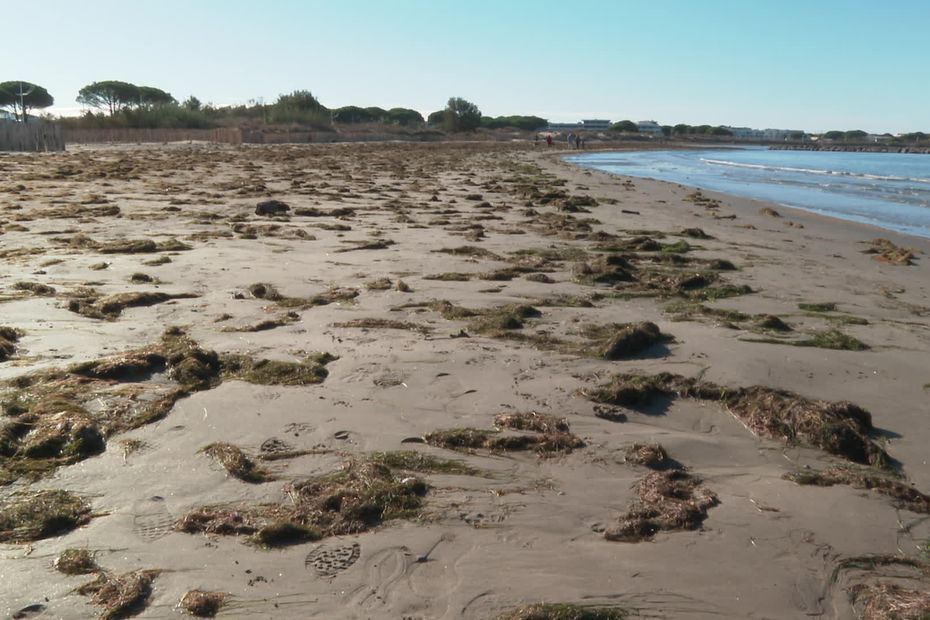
[
  {"x": 585, "y": 125},
  {"x": 745, "y": 133},
  {"x": 649, "y": 127},
  {"x": 595, "y": 124},
  {"x": 780, "y": 135}
]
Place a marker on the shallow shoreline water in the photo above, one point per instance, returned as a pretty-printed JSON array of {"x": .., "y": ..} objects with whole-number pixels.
[{"x": 890, "y": 191}]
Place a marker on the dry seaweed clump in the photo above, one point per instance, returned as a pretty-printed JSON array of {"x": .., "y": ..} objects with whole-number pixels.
[
  {"x": 887, "y": 252},
  {"x": 418, "y": 462},
  {"x": 54, "y": 417},
  {"x": 40, "y": 290},
  {"x": 531, "y": 421},
  {"x": 76, "y": 562},
  {"x": 375, "y": 323},
  {"x": 8, "y": 339},
  {"x": 29, "y": 516},
  {"x": 202, "y": 603},
  {"x": 651, "y": 455},
  {"x": 502, "y": 318},
  {"x": 263, "y": 290},
  {"x": 237, "y": 463},
  {"x": 840, "y": 428},
  {"x": 359, "y": 497},
  {"x": 902, "y": 494},
  {"x": 91, "y": 305},
  {"x": 126, "y": 246},
  {"x": 120, "y": 596},
  {"x": 543, "y": 443},
  {"x": 671, "y": 500},
  {"x": 274, "y": 372},
  {"x": 891, "y": 601},
  {"x": 564, "y": 611},
  {"x": 618, "y": 341}
]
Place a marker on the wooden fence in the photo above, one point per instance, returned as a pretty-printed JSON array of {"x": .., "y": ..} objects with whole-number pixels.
[
  {"x": 30, "y": 137},
  {"x": 128, "y": 135}
]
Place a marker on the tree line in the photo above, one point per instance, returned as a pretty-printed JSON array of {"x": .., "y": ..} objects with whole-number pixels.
[{"x": 115, "y": 103}]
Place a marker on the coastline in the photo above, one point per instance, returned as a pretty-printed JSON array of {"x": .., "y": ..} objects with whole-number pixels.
[
  {"x": 468, "y": 229},
  {"x": 798, "y": 211}
]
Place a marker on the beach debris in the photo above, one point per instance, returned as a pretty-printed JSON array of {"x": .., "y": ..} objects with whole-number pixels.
[
  {"x": 9, "y": 336},
  {"x": 471, "y": 251},
  {"x": 531, "y": 421},
  {"x": 884, "y": 600},
  {"x": 671, "y": 500},
  {"x": 47, "y": 419},
  {"x": 886, "y": 587},
  {"x": 839, "y": 428},
  {"x": 886, "y": 251},
  {"x": 76, "y": 562},
  {"x": 37, "y": 289},
  {"x": 120, "y": 596},
  {"x": 202, "y": 603},
  {"x": 375, "y": 323},
  {"x": 375, "y": 244},
  {"x": 315, "y": 212},
  {"x": 651, "y": 455},
  {"x": 769, "y": 212},
  {"x": 266, "y": 291},
  {"x": 821, "y": 306},
  {"x": 362, "y": 495},
  {"x": 91, "y": 305},
  {"x": 470, "y": 439},
  {"x": 237, "y": 463},
  {"x": 379, "y": 284},
  {"x": 902, "y": 494},
  {"x": 564, "y": 611},
  {"x": 271, "y": 208},
  {"x": 26, "y": 516},
  {"x": 770, "y": 321},
  {"x": 618, "y": 341},
  {"x": 421, "y": 463},
  {"x": 694, "y": 233},
  {"x": 266, "y": 324}
]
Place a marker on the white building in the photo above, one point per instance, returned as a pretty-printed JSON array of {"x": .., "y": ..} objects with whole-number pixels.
[
  {"x": 595, "y": 124},
  {"x": 780, "y": 135},
  {"x": 649, "y": 127},
  {"x": 745, "y": 133}
]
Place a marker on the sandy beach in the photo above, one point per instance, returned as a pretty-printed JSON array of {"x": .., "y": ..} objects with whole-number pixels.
[{"x": 449, "y": 380}]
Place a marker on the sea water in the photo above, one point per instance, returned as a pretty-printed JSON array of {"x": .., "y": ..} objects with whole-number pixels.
[{"x": 888, "y": 190}]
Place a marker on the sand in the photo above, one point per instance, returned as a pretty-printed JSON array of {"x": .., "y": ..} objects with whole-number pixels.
[{"x": 520, "y": 526}]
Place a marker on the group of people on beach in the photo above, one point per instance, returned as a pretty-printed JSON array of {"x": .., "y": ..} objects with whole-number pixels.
[{"x": 574, "y": 142}]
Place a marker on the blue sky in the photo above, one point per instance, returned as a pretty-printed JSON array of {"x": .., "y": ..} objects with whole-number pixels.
[{"x": 811, "y": 64}]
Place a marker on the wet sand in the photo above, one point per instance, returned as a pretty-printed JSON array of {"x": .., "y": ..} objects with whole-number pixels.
[{"x": 547, "y": 271}]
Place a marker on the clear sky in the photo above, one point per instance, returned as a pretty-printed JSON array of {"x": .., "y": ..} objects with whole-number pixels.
[{"x": 799, "y": 64}]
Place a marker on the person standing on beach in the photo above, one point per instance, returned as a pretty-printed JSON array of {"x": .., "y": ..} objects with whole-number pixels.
[
  {"x": 571, "y": 140},
  {"x": 549, "y": 140}
]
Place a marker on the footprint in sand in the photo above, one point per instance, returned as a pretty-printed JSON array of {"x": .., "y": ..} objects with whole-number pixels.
[
  {"x": 296, "y": 428},
  {"x": 273, "y": 445},
  {"x": 330, "y": 560},
  {"x": 152, "y": 521},
  {"x": 386, "y": 569}
]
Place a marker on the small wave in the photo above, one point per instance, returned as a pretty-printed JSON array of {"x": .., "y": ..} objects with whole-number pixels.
[{"x": 843, "y": 173}]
